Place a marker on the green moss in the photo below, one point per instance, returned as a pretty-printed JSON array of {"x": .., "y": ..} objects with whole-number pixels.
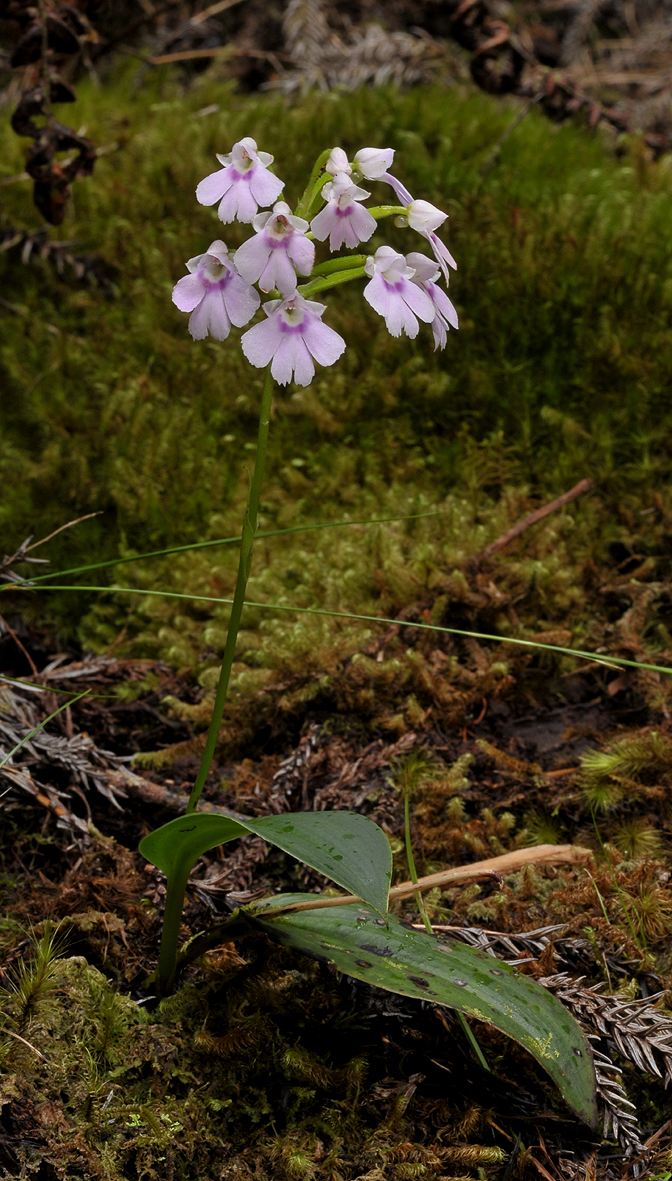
[{"x": 561, "y": 367}]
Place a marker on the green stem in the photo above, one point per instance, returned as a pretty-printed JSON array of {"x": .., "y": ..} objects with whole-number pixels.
[
  {"x": 317, "y": 193},
  {"x": 323, "y": 284},
  {"x": 412, "y": 873},
  {"x": 244, "y": 561},
  {"x": 471, "y": 1038},
  {"x": 306, "y": 199},
  {"x": 380, "y": 211},
  {"x": 170, "y": 932},
  {"x": 339, "y": 264}
]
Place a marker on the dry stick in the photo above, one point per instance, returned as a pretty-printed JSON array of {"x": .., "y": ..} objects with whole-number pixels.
[
  {"x": 537, "y": 515},
  {"x": 19, "y": 645},
  {"x": 29, "y": 1044},
  {"x": 62, "y": 527},
  {"x": 213, "y": 10},
  {"x": 217, "y": 51},
  {"x": 492, "y": 867}
]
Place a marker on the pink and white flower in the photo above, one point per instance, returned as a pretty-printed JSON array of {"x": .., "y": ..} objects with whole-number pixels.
[
  {"x": 242, "y": 184},
  {"x": 371, "y": 163},
  {"x": 277, "y": 251},
  {"x": 392, "y": 294},
  {"x": 445, "y": 316},
  {"x": 291, "y": 337},
  {"x": 343, "y": 220},
  {"x": 215, "y": 294},
  {"x": 422, "y": 216}
]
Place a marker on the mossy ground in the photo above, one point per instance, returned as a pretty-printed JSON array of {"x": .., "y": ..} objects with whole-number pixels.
[{"x": 560, "y": 370}]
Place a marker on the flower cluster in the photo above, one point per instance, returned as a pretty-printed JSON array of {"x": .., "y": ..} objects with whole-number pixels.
[{"x": 219, "y": 291}]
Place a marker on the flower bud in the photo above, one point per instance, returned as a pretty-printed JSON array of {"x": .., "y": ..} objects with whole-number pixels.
[
  {"x": 337, "y": 162},
  {"x": 425, "y": 218},
  {"x": 372, "y": 163}
]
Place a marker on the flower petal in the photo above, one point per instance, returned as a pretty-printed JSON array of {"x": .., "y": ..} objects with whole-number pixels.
[
  {"x": 379, "y": 295},
  {"x": 265, "y": 187},
  {"x": 418, "y": 300},
  {"x": 324, "y": 222},
  {"x": 188, "y": 292},
  {"x": 251, "y": 258},
  {"x": 213, "y": 187},
  {"x": 325, "y": 345},
  {"x": 425, "y": 268},
  {"x": 241, "y": 300},
  {"x": 293, "y": 359},
  {"x": 210, "y": 317},
  {"x": 374, "y": 162},
  {"x": 443, "y": 304},
  {"x": 260, "y": 342},
  {"x": 302, "y": 253}
]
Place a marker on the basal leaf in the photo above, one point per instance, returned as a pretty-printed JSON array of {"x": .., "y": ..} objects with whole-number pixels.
[
  {"x": 176, "y": 846},
  {"x": 400, "y": 959},
  {"x": 344, "y": 846}
]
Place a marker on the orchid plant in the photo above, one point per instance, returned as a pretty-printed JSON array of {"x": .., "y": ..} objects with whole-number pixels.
[{"x": 219, "y": 294}]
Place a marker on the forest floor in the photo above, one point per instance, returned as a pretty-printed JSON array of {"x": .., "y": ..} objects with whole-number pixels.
[{"x": 265, "y": 1063}]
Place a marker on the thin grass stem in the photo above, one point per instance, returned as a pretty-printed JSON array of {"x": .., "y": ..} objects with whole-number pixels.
[{"x": 612, "y": 662}]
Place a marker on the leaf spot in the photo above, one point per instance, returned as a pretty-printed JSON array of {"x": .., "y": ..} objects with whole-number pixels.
[
  {"x": 420, "y": 981},
  {"x": 386, "y": 951}
]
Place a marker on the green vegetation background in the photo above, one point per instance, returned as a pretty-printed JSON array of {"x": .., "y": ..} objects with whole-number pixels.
[{"x": 561, "y": 369}]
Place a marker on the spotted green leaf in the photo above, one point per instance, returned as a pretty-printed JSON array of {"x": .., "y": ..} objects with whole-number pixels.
[{"x": 390, "y": 955}]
